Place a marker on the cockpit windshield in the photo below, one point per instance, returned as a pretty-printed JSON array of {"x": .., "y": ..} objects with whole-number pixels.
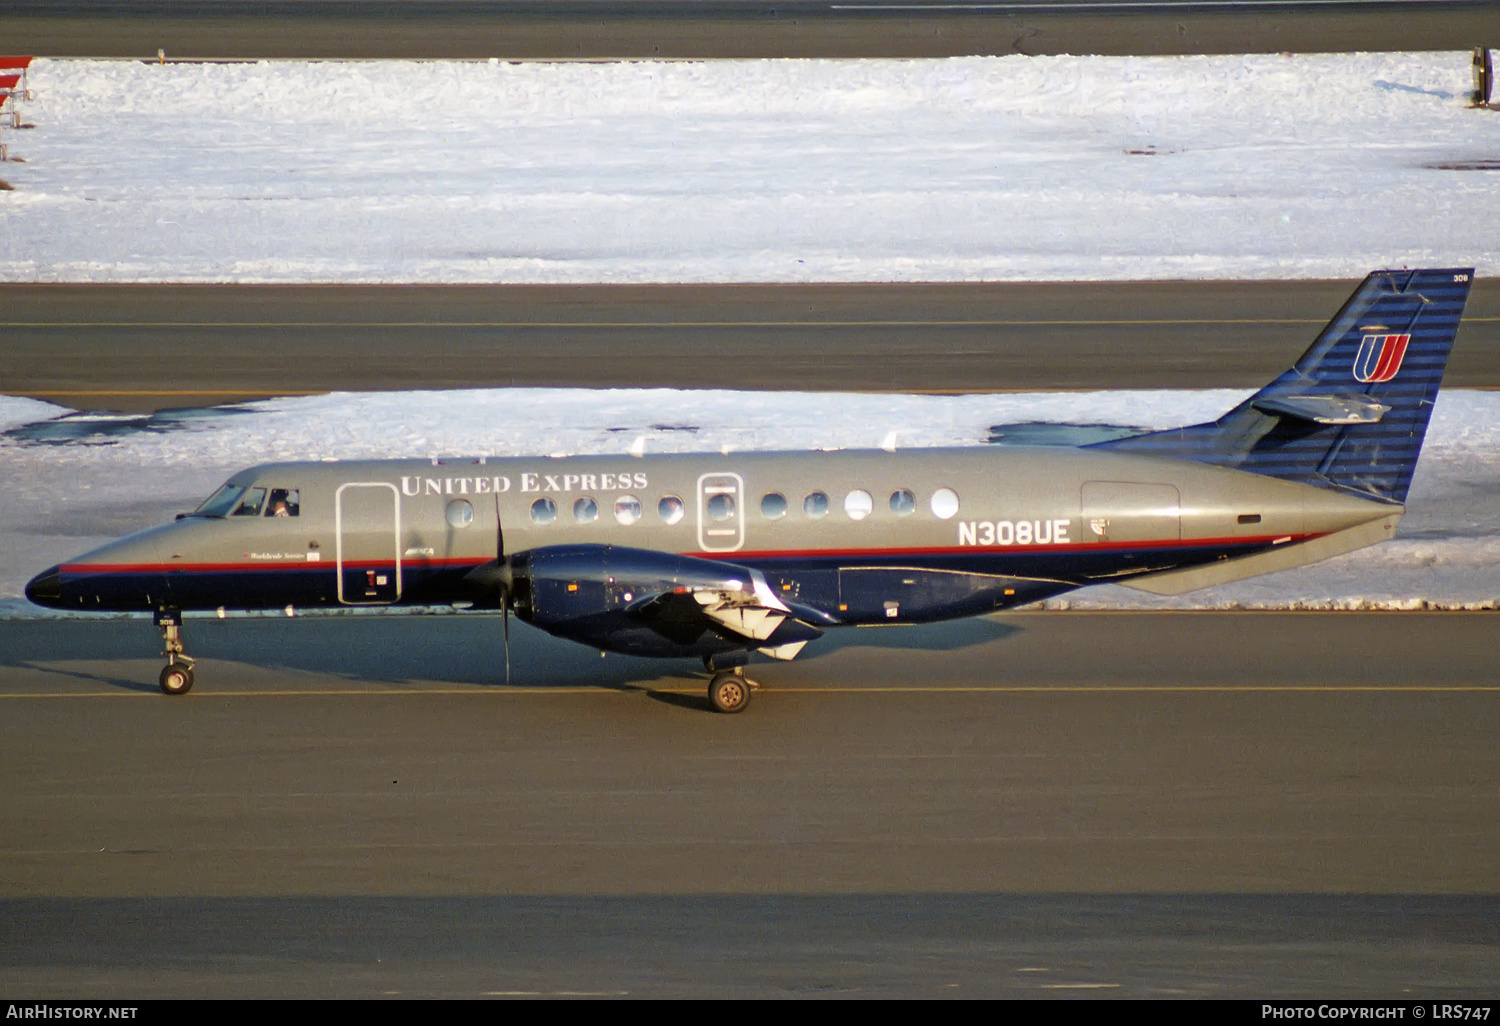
[
  {"x": 220, "y": 502},
  {"x": 250, "y": 506},
  {"x": 234, "y": 500}
]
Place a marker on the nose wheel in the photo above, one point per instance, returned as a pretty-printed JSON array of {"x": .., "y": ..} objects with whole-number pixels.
[
  {"x": 177, "y": 676},
  {"x": 729, "y": 692},
  {"x": 176, "y": 679}
]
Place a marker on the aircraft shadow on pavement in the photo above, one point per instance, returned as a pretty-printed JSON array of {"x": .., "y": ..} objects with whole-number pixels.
[{"x": 399, "y": 649}]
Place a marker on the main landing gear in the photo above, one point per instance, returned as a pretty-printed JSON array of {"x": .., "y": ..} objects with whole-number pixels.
[
  {"x": 177, "y": 676},
  {"x": 729, "y": 691}
]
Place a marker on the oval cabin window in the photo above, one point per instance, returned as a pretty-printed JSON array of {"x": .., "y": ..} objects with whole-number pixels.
[
  {"x": 858, "y": 504},
  {"x": 720, "y": 507},
  {"x": 543, "y": 511},
  {"x": 669, "y": 509},
  {"x": 627, "y": 509},
  {"x": 944, "y": 503},
  {"x": 459, "y": 513}
]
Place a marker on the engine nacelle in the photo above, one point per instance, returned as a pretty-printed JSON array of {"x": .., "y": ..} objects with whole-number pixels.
[{"x": 585, "y": 593}]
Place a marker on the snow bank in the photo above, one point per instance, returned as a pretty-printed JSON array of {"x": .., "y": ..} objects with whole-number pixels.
[{"x": 879, "y": 170}]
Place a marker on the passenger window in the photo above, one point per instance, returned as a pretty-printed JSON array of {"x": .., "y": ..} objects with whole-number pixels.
[
  {"x": 254, "y": 499},
  {"x": 669, "y": 509},
  {"x": 285, "y": 502},
  {"x": 459, "y": 513},
  {"x": 585, "y": 510},
  {"x": 944, "y": 503},
  {"x": 858, "y": 504},
  {"x": 543, "y": 511},
  {"x": 903, "y": 502},
  {"x": 815, "y": 505},
  {"x": 720, "y": 507},
  {"x": 773, "y": 506},
  {"x": 627, "y": 509}
]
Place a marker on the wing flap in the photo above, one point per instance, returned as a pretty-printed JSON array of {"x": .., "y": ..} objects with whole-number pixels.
[{"x": 756, "y": 616}]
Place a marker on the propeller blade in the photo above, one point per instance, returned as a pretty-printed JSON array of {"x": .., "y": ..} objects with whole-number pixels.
[
  {"x": 504, "y": 585},
  {"x": 499, "y": 533}
]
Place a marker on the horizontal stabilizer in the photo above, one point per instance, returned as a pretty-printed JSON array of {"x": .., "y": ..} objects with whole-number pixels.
[
  {"x": 1324, "y": 409},
  {"x": 1285, "y": 557}
]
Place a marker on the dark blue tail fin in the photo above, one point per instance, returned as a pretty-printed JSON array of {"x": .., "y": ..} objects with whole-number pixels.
[{"x": 1352, "y": 412}]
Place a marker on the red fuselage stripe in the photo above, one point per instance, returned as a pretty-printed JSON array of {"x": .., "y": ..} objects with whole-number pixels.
[{"x": 735, "y": 556}]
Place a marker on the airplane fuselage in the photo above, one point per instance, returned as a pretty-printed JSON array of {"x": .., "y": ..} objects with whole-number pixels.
[{"x": 858, "y": 536}]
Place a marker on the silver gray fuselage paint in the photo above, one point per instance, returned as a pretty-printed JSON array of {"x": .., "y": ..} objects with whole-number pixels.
[{"x": 1059, "y": 517}]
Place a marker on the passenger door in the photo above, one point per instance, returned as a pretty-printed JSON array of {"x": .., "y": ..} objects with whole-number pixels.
[{"x": 367, "y": 523}]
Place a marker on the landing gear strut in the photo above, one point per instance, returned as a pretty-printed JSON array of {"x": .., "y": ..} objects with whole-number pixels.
[{"x": 177, "y": 676}]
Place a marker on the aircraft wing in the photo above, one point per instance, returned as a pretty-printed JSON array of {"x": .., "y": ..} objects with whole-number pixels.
[{"x": 756, "y": 616}]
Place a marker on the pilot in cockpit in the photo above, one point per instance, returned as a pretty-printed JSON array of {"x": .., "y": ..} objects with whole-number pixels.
[{"x": 284, "y": 503}]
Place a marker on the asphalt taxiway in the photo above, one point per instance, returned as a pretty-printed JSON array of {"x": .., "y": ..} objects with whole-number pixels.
[
  {"x": 1206, "y": 804},
  {"x": 146, "y": 347},
  {"x": 697, "y": 29}
]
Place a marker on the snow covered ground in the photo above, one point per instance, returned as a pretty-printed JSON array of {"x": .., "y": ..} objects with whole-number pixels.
[
  {"x": 68, "y": 486},
  {"x": 857, "y": 170}
]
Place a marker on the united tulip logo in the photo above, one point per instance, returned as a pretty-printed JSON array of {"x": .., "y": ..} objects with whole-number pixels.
[{"x": 1379, "y": 357}]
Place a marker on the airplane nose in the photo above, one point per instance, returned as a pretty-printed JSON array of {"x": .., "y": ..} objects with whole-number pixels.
[{"x": 45, "y": 589}]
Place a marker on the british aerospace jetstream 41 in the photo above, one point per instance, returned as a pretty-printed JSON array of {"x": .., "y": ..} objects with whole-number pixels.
[{"x": 721, "y": 556}]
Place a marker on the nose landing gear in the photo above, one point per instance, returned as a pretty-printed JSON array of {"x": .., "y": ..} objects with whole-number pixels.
[{"x": 177, "y": 676}]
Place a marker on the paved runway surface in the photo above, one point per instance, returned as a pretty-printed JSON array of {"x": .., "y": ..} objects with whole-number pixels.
[
  {"x": 143, "y": 347},
  {"x": 1037, "y": 804},
  {"x": 602, "y": 29}
]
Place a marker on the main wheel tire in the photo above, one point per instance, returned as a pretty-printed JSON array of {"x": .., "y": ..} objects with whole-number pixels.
[
  {"x": 729, "y": 693},
  {"x": 176, "y": 679}
]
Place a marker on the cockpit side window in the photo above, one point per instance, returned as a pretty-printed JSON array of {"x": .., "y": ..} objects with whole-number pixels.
[
  {"x": 250, "y": 505},
  {"x": 220, "y": 502},
  {"x": 285, "y": 502}
]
